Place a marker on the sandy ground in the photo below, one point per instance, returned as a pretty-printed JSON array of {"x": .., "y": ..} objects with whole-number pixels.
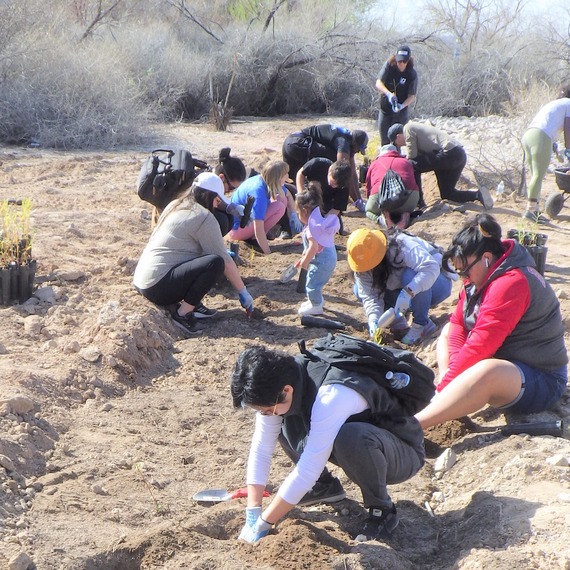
[{"x": 110, "y": 420}]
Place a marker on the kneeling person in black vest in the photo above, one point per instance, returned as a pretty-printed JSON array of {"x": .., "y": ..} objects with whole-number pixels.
[{"x": 341, "y": 416}]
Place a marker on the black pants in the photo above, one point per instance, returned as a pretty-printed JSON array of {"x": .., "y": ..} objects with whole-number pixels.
[
  {"x": 385, "y": 121},
  {"x": 447, "y": 165},
  {"x": 225, "y": 220},
  {"x": 189, "y": 281}
]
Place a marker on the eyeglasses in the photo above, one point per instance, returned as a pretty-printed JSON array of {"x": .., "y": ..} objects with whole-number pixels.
[
  {"x": 272, "y": 412},
  {"x": 465, "y": 271}
]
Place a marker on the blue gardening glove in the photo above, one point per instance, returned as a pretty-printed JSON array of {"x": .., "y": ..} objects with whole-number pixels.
[
  {"x": 295, "y": 223},
  {"x": 372, "y": 325},
  {"x": 403, "y": 302},
  {"x": 567, "y": 153},
  {"x": 235, "y": 210},
  {"x": 246, "y": 300},
  {"x": 360, "y": 205},
  {"x": 251, "y": 516},
  {"x": 392, "y": 99},
  {"x": 256, "y": 531}
]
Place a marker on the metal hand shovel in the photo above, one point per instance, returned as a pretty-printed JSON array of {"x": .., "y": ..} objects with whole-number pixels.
[
  {"x": 219, "y": 495},
  {"x": 289, "y": 273}
]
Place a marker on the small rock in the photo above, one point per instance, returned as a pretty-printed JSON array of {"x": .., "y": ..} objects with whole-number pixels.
[
  {"x": 111, "y": 361},
  {"x": 558, "y": 460},
  {"x": 72, "y": 347},
  {"x": 71, "y": 275},
  {"x": 21, "y": 561},
  {"x": 445, "y": 461},
  {"x": 107, "y": 407},
  {"x": 90, "y": 353},
  {"x": 49, "y": 345},
  {"x": 3, "y": 349},
  {"x": 438, "y": 497},
  {"x": 45, "y": 294},
  {"x": 33, "y": 325},
  {"x": 7, "y": 463},
  {"x": 19, "y": 405},
  {"x": 98, "y": 489}
]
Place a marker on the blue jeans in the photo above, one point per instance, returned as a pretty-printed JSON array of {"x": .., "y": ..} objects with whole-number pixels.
[
  {"x": 422, "y": 302},
  {"x": 320, "y": 270}
]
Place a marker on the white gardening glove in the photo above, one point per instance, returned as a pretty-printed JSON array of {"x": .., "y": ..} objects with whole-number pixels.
[
  {"x": 295, "y": 223},
  {"x": 403, "y": 302},
  {"x": 235, "y": 210},
  {"x": 251, "y": 516},
  {"x": 372, "y": 325},
  {"x": 256, "y": 531}
]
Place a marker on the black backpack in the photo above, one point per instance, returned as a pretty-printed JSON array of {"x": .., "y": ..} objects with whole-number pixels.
[
  {"x": 370, "y": 359},
  {"x": 392, "y": 193},
  {"x": 165, "y": 173}
]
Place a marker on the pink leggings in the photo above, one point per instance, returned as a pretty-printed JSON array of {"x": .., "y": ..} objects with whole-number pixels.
[{"x": 274, "y": 213}]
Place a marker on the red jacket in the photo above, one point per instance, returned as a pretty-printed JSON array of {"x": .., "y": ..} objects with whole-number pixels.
[{"x": 391, "y": 159}]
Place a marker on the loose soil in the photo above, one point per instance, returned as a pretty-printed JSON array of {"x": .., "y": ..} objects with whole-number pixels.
[{"x": 110, "y": 420}]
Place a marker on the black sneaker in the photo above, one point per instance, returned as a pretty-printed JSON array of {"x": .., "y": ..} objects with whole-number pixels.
[
  {"x": 187, "y": 322},
  {"x": 202, "y": 312},
  {"x": 379, "y": 525},
  {"x": 330, "y": 492}
]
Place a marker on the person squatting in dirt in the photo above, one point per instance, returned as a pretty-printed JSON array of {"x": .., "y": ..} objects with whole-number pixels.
[
  {"x": 398, "y": 85},
  {"x": 271, "y": 201},
  {"x": 319, "y": 253},
  {"x": 432, "y": 150},
  {"x": 504, "y": 343},
  {"x": 344, "y": 417},
  {"x": 390, "y": 158},
  {"x": 327, "y": 141},
  {"x": 186, "y": 255},
  {"x": 401, "y": 271},
  {"x": 538, "y": 142}
]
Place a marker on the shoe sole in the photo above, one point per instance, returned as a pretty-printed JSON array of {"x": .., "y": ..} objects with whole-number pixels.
[
  {"x": 333, "y": 499},
  {"x": 203, "y": 316},
  {"x": 186, "y": 330}
]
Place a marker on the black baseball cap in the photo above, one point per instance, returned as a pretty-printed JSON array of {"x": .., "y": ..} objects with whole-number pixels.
[{"x": 403, "y": 53}]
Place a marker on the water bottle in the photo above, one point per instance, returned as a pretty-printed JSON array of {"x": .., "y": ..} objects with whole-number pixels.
[
  {"x": 398, "y": 380},
  {"x": 500, "y": 189}
]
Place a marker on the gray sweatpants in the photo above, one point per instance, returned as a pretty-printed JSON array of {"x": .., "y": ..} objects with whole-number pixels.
[{"x": 373, "y": 458}]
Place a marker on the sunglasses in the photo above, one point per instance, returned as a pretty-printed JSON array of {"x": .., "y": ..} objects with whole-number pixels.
[{"x": 464, "y": 272}]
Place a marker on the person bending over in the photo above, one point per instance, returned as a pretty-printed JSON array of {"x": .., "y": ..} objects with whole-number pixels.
[{"x": 346, "y": 418}]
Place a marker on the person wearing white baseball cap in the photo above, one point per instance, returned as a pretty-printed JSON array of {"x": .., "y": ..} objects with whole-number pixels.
[
  {"x": 209, "y": 192},
  {"x": 186, "y": 255}
]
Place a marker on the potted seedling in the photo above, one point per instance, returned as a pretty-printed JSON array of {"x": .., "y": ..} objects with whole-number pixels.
[
  {"x": 534, "y": 242},
  {"x": 17, "y": 267}
]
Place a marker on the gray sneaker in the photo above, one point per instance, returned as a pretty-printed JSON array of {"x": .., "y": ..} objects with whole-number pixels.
[
  {"x": 485, "y": 198},
  {"x": 187, "y": 323},
  {"x": 535, "y": 217},
  {"x": 330, "y": 492}
]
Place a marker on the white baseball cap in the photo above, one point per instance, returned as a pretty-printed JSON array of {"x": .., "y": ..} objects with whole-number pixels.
[{"x": 213, "y": 183}]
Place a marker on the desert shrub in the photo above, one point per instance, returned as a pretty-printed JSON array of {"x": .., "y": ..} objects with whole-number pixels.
[{"x": 68, "y": 98}]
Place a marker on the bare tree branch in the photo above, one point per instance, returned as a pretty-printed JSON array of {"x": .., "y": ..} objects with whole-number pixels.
[
  {"x": 180, "y": 5},
  {"x": 99, "y": 17}
]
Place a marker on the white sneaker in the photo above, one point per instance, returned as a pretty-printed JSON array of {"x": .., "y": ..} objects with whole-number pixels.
[
  {"x": 307, "y": 308},
  {"x": 418, "y": 332}
]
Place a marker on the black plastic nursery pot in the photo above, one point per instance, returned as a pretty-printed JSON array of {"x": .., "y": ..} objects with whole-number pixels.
[
  {"x": 17, "y": 283},
  {"x": 534, "y": 243}
]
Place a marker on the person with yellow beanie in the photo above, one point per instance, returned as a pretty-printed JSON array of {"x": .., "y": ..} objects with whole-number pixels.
[{"x": 398, "y": 270}]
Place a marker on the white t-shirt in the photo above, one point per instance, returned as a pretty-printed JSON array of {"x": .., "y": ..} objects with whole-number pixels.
[
  {"x": 550, "y": 118},
  {"x": 333, "y": 405}
]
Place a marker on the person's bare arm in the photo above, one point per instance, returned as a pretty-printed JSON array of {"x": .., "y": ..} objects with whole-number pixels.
[
  {"x": 300, "y": 180},
  {"x": 259, "y": 231}
]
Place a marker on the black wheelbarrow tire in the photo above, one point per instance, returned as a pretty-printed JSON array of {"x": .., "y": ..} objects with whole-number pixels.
[{"x": 554, "y": 204}]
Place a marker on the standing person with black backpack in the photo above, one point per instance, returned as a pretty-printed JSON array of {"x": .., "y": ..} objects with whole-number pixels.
[{"x": 398, "y": 85}]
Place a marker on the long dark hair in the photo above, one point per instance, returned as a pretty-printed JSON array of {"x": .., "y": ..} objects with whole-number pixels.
[
  {"x": 230, "y": 166},
  {"x": 381, "y": 272},
  {"x": 480, "y": 234},
  {"x": 205, "y": 197}
]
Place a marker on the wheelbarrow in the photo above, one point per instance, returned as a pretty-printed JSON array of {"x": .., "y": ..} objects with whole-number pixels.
[{"x": 555, "y": 201}]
